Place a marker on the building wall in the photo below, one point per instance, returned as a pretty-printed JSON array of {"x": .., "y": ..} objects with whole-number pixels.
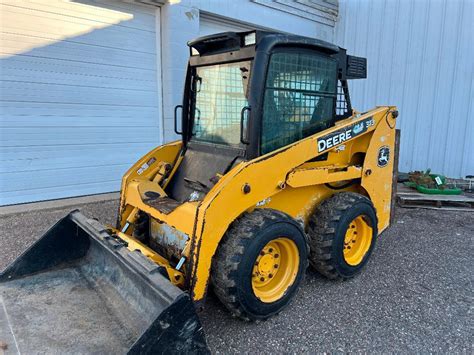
[{"x": 420, "y": 58}]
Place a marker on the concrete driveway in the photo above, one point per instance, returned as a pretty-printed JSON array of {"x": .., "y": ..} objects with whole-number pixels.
[{"x": 414, "y": 296}]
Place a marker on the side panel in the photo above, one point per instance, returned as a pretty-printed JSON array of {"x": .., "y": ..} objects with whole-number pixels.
[
  {"x": 264, "y": 177},
  {"x": 378, "y": 170}
]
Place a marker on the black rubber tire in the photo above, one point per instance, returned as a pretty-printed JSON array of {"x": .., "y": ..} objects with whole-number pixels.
[
  {"x": 327, "y": 228},
  {"x": 233, "y": 263}
]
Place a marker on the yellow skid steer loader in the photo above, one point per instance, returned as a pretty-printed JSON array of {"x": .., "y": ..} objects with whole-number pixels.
[{"x": 274, "y": 170}]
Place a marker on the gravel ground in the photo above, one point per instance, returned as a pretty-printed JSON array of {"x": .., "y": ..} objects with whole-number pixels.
[{"x": 414, "y": 296}]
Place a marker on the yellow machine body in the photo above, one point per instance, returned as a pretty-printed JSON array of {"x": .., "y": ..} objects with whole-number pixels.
[{"x": 287, "y": 179}]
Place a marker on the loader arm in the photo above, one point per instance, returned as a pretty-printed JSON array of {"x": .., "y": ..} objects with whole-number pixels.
[{"x": 158, "y": 165}]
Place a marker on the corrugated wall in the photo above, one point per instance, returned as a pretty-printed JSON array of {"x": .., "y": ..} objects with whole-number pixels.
[{"x": 420, "y": 58}]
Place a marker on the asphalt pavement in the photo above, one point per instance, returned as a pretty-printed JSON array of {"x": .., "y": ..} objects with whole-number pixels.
[{"x": 414, "y": 296}]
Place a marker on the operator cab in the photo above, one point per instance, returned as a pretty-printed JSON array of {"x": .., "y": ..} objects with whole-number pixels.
[{"x": 250, "y": 93}]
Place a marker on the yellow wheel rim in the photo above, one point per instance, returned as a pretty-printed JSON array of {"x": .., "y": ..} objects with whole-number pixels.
[
  {"x": 275, "y": 269},
  {"x": 357, "y": 241}
]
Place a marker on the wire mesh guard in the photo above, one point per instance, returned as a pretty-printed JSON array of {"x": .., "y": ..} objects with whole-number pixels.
[
  {"x": 220, "y": 97},
  {"x": 342, "y": 107},
  {"x": 299, "y": 98}
]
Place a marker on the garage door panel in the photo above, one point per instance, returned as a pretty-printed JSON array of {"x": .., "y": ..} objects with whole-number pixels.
[
  {"x": 90, "y": 33},
  {"x": 19, "y": 91},
  {"x": 57, "y": 192},
  {"x": 209, "y": 25},
  {"x": 24, "y": 68},
  {"x": 12, "y": 107},
  {"x": 72, "y": 151},
  {"x": 94, "y": 17},
  {"x": 45, "y": 152},
  {"x": 15, "y": 75},
  {"x": 19, "y": 181},
  {"x": 141, "y": 18},
  {"x": 79, "y": 53},
  {"x": 12, "y": 137},
  {"x": 41, "y": 114},
  {"x": 108, "y": 36},
  {"x": 74, "y": 112},
  {"x": 76, "y": 121},
  {"x": 80, "y": 100},
  {"x": 67, "y": 159}
]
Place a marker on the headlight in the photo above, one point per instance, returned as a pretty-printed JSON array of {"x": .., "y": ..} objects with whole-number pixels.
[{"x": 249, "y": 39}]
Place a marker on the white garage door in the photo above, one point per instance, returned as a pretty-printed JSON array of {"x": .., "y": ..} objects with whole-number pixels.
[
  {"x": 79, "y": 95},
  {"x": 209, "y": 25}
]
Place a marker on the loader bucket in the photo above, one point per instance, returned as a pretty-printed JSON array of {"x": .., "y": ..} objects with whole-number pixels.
[{"x": 79, "y": 290}]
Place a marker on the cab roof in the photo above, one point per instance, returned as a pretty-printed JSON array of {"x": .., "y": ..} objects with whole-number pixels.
[{"x": 262, "y": 40}]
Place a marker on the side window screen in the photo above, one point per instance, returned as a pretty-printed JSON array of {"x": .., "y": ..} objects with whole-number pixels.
[
  {"x": 299, "y": 98},
  {"x": 220, "y": 96}
]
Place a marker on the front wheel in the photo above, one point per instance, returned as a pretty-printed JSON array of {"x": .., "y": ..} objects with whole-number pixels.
[{"x": 260, "y": 264}]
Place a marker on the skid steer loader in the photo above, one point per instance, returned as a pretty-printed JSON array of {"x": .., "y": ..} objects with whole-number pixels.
[{"x": 274, "y": 170}]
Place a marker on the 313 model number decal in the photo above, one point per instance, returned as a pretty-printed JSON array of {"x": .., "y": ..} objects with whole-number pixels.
[{"x": 330, "y": 140}]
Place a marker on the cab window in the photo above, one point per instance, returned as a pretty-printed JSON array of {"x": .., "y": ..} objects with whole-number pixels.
[{"x": 300, "y": 97}]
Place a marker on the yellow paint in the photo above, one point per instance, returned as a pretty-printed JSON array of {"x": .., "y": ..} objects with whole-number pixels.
[
  {"x": 176, "y": 277},
  {"x": 275, "y": 269},
  {"x": 167, "y": 153},
  {"x": 357, "y": 241},
  {"x": 285, "y": 180},
  {"x": 263, "y": 174},
  {"x": 372, "y": 183},
  {"x": 307, "y": 176}
]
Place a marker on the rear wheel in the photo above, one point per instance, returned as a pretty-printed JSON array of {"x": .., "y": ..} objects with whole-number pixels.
[
  {"x": 342, "y": 234},
  {"x": 260, "y": 264}
]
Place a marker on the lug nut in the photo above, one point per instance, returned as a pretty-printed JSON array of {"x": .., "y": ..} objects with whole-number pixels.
[
  {"x": 262, "y": 279},
  {"x": 262, "y": 253},
  {"x": 270, "y": 250},
  {"x": 276, "y": 255},
  {"x": 275, "y": 266},
  {"x": 270, "y": 275}
]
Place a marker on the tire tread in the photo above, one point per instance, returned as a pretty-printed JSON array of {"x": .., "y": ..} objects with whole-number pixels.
[
  {"x": 230, "y": 252},
  {"x": 322, "y": 229}
]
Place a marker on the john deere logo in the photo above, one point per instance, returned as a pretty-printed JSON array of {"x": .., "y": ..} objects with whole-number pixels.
[{"x": 383, "y": 157}]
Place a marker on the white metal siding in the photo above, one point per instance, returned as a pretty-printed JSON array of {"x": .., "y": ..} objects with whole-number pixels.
[
  {"x": 420, "y": 58},
  {"x": 79, "y": 96},
  {"x": 209, "y": 25}
]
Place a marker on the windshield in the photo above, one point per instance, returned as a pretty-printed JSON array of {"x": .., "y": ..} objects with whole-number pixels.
[{"x": 220, "y": 94}]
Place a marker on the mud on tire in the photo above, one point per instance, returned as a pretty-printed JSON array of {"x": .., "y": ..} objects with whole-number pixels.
[{"x": 234, "y": 261}]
